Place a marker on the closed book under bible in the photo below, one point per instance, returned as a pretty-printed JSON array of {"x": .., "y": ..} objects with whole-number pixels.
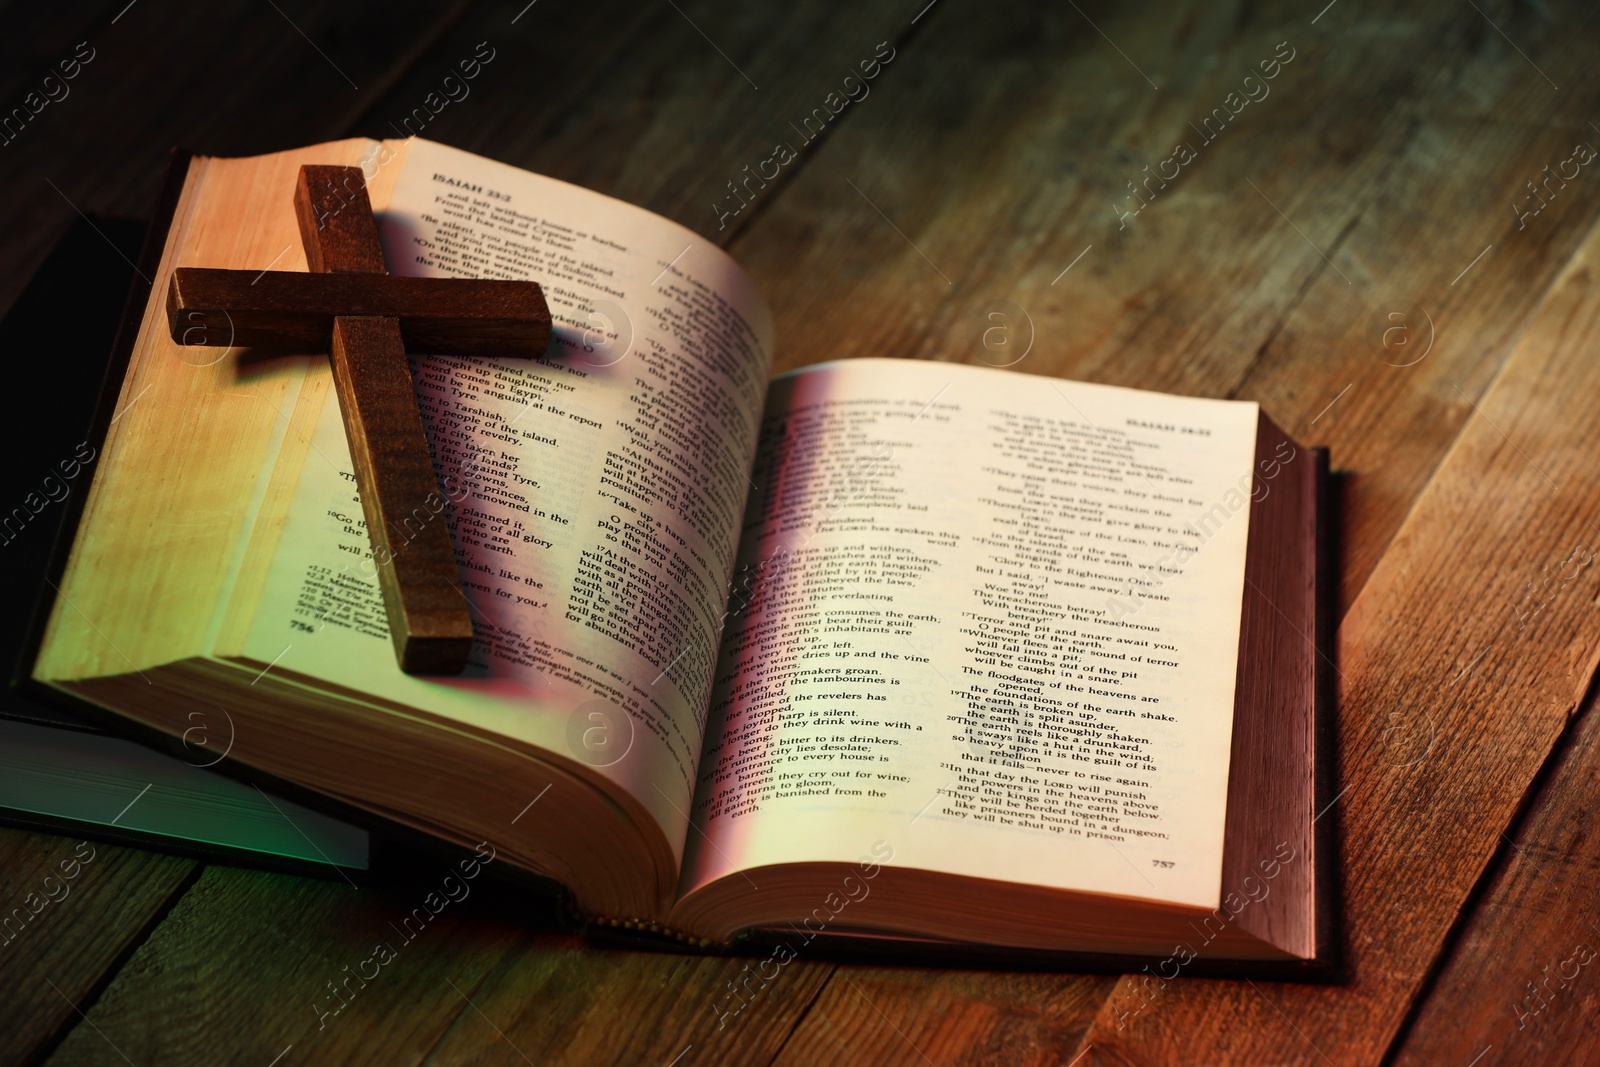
[
  {"x": 58, "y": 770},
  {"x": 906, "y": 657}
]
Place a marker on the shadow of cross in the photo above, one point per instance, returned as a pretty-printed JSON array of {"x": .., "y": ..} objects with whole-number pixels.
[{"x": 367, "y": 320}]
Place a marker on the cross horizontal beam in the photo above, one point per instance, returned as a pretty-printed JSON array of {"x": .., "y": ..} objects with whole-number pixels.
[{"x": 293, "y": 311}]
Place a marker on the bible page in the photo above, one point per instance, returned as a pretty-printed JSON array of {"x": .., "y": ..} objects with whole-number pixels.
[
  {"x": 593, "y": 495},
  {"x": 988, "y": 620}
]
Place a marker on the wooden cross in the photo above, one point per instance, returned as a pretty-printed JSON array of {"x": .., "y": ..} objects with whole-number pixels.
[{"x": 367, "y": 320}]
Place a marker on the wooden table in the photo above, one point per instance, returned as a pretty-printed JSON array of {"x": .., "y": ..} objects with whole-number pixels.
[{"x": 1382, "y": 174}]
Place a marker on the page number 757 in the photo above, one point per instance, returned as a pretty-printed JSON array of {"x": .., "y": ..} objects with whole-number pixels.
[{"x": 1164, "y": 863}]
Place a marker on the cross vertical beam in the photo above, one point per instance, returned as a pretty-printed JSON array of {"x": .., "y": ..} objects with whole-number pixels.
[{"x": 400, "y": 498}]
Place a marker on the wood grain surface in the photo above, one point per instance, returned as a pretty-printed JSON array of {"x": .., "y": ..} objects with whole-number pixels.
[
  {"x": 84, "y": 907},
  {"x": 1539, "y": 1003},
  {"x": 987, "y": 172}
]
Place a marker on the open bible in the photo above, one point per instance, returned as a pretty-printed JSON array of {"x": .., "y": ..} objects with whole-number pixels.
[{"x": 917, "y": 656}]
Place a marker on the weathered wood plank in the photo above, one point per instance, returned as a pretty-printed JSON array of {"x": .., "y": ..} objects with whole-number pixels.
[
  {"x": 530, "y": 66},
  {"x": 1455, "y": 686},
  {"x": 1522, "y": 981},
  {"x": 903, "y": 1016},
  {"x": 248, "y": 964},
  {"x": 672, "y": 121},
  {"x": 563, "y": 1003},
  {"x": 70, "y": 908},
  {"x": 245, "y": 78}
]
